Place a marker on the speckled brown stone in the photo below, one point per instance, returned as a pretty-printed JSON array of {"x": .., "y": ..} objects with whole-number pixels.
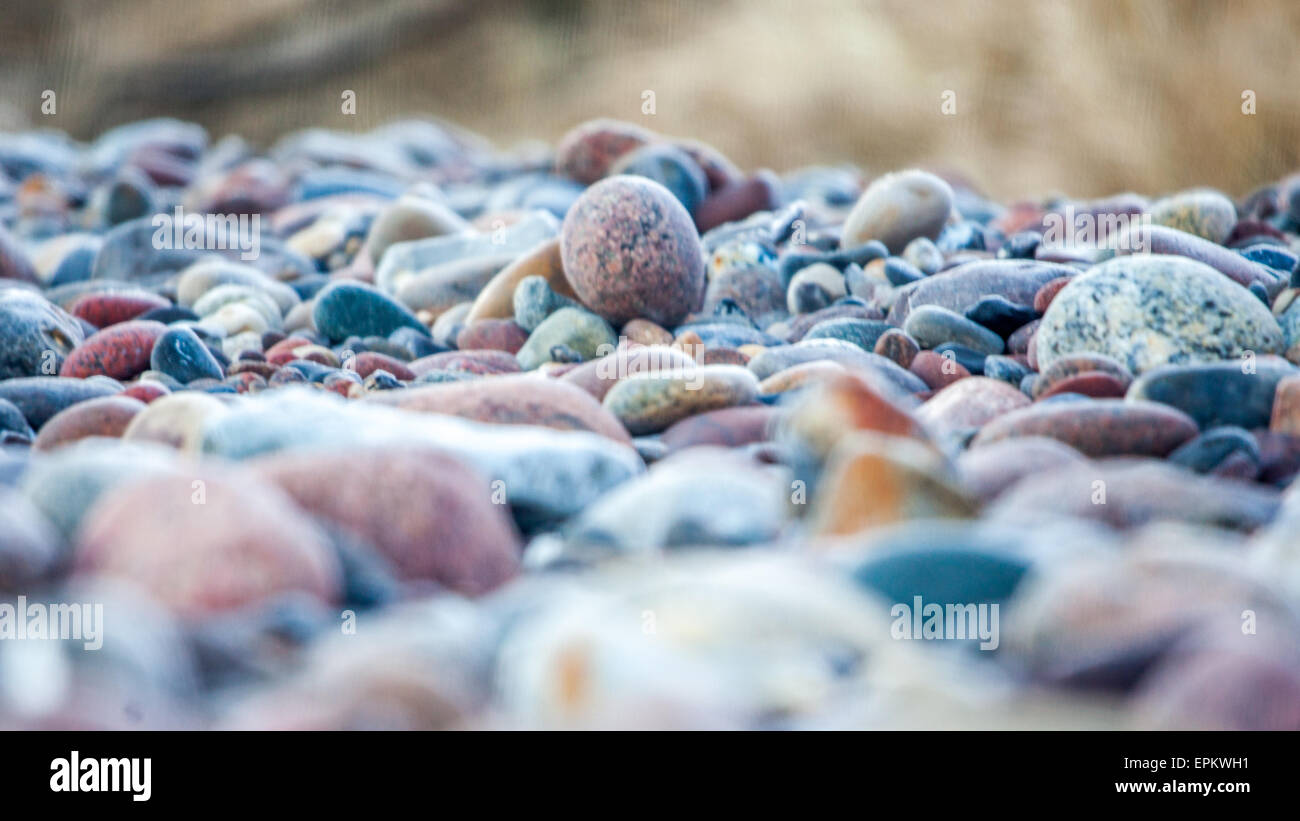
[
  {"x": 1073, "y": 365},
  {"x": 102, "y": 310},
  {"x": 896, "y": 345},
  {"x": 587, "y": 152},
  {"x": 1048, "y": 292},
  {"x": 120, "y": 351},
  {"x": 630, "y": 250},
  {"x": 1099, "y": 427}
]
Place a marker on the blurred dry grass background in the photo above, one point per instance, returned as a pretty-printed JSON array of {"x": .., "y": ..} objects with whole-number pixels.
[{"x": 1086, "y": 97}]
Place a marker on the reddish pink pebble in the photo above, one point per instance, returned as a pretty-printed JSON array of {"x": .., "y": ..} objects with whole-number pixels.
[{"x": 937, "y": 370}]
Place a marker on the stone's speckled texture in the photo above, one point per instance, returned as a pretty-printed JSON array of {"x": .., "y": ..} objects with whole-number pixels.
[
  {"x": 460, "y": 539},
  {"x": 587, "y": 153},
  {"x": 102, "y": 310},
  {"x": 962, "y": 287},
  {"x": 346, "y": 309},
  {"x": 1102, "y": 427},
  {"x": 180, "y": 354},
  {"x": 651, "y": 402},
  {"x": 510, "y": 400},
  {"x": 931, "y": 326},
  {"x": 1220, "y": 393},
  {"x": 245, "y": 542},
  {"x": 970, "y": 403},
  {"x": 580, "y": 331},
  {"x": 1205, "y": 213},
  {"x": 1147, "y": 311},
  {"x": 630, "y": 250},
  {"x": 35, "y": 336},
  {"x": 1158, "y": 240},
  {"x": 105, "y": 416},
  {"x": 897, "y": 208}
]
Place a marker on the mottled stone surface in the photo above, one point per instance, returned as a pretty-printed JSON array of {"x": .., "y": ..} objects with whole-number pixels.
[
  {"x": 651, "y": 402},
  {"x": 35, "y": 336},
  {"x": 1102, "y": 427},
  {"x": 1219, "y": 393},
  {"x": 1147, "y": 311},
  {"x": 970, "y": 403},
  {"x": 897, "y": 208},
  {"x": 1205, "y": 213}
]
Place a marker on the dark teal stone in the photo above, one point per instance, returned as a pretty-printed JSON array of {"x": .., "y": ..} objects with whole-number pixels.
[
  {"x": 40, "y": 397},
  {"x": 1023, "y": 245},
  {"x": 669, "y": 166},
  {"x": 1207, "y": 451},
  {"x": 346, "y": 308},
  {"x": 861, "y": 332},
  {"x": 1005, "y": 369},
  {"x": 180, "y": 354},
  {"x": 1217, "y": 393}
]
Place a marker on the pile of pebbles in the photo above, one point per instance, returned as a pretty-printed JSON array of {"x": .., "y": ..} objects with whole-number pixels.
[{"x": 400, "y": 430}]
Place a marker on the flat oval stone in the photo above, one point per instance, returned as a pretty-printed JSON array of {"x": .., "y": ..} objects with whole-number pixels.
[
  {"x": 774, "y": 360},
  {"x": 728, "y": 427},
  {"x": 1147, "y": 311},
  {"x": 409, "y": 218},
  {"x": 897, "y": 208},
  {"x": 120, "y": 351},
  {"x": 463, "y": 542},
  {"x": 1219, "y": 393},
  {"x": 180, "y": 354},
  {"x": 630, "y": 250},
  {"x": 970, "y": 403},
  {"x": 598, "y": 376},
  {"x": 581, "y": 331},
  {"x": 1158, "y": 240},
  {"x": 861, "y": 332},
  {"x": 367, "y": 362},
  {"x": 40, "y": 397},
  {"x": 1208, "y": 451},
  {"x": 244, "y": 542},
  {"x": 1067, "y": 367},
  {"x": 802, "y": 324},
  {"x": 510, "y": 400},
  {"x": 1000, "y": 315},
  {"x": 800, "y": 376},
  {"x": 1101, "y": 427},
  {"x": 35, "y": 336},
  {"x": 932, "y": 326},
  {"x": 962, "y": 287},
  {"x": 1204, "y": 213},
  {"x": 482, "y": 361},
  {"x": 650, "y": 402},
  {"x": 936, "y": 370},
  {"x": 198, "y": 279},
  {"x": 106, "y": 416},
  {"x": 345, "y": 309},
  {"x": 102, "y": 310},
  {"x": 988, "y": 470},
  {"x": 1094, "y": 384}
]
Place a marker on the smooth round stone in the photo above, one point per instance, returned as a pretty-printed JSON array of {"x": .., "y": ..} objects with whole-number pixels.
[
  {"x": 864, "y": 333},
  {"x": 757, "y": 193},
  {"x": 120, "y": 351},
  {"x": 106, "y": 416},
  {"x": 510, "y": 400},
  {"x": 589, "y": 151},
  {"x": 180, "y": 354},
  {"x": 900, "y": 272},
  {"x": 1220, "y": 393},
  {"x": 410, "y": 218},
  {"x": 728, "y": 427},
  {"x": 40, "y": 397},
  {"x": 535, "y": 300},
  {"x": 690, "y": 500},
  {"x": 176, "y": 420},
  {"x": 581, "y": 331},
  {"x": 198, "y": 279},
  {"x": 645, "y": 332},
  {"x": 13, "y": 425},
  {"x": 599, "y": 375},
  {"x": 1005, "y": 369},
  {"x": 1102, "y": 427},
  {"x": 970, "y": 403},
  {"x": 494, "y": 334},
  {"x": 669, "y": 166},
  {"x": 1000, "y": 315},
  {"x": 989, "y": 470},
  {"x": 245, "y": 541},
  {"x": 1147, "y": 311},
  {"x": 756, "y": 290},
  {"x": 874, "y": 479},
  {"x": 802, "y": 324},
  {"x": 102, "y": 310},
  {"x": 35, "y": 336},
  {"x": 1074, "y": 365},
  {"x": 919, "y": 565},
  {"x": 960, "y": 288},
  {"x": 30, "y": 548},
  {"x": 481, "y": 362},
  {"x": 932, "y": 326},
  {"x": 924, "y": 255},
  {"x": 897, "y": 208},
  {"x": 1209, "y": 450},
  {"x": 937, "y": 371},
  {"x": 774, "y": 360},
  {"x": 1142, "y": 240},
  {"x": 463, "y": 542},
  {"x": 895, "y": 345},
  {"x": 234, "y": 294},
  {"x": 631, "y": 250},
  {"x": 650, "y": 402},
  {"x": 814, "y": 288},
  {"x": 1094, "y": 384},
  {"x": 346, "y": 309},
  {"x": 1207, "y": 214},
  {"x": 1137, "y": 492}
]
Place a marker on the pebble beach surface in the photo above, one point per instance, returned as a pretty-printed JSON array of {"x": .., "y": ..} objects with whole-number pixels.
[{"x": 403, "y": 430}]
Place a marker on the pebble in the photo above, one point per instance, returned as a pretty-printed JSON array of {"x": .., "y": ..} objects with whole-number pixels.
[
  {"x": 864, "y": 333},
  {"x": 895, "y": 345},
  {"x": 1147, "y": 311},
  {"x": 932, "y": 326},
  {"x": 937, "y": 371},
  {"x": 1102, "y": 427},
  {"x": 898, "y": 208},
  {"x": 962, "y": 287},
  {"x": 814, "y": 288},
  {"x": 1212, "y": 450},
  {"x": 989, "y": 470},
  {"x": 180, "y": 354},
  {"x": 1205, "y": 213},
  {"x": 496, "y": 300},
  {"x": 40, "y": 397},
  {"x": 35, "y": 336},
  {"x": 650, "y": 402},
  {"x": 631, "y": 250},
  {"x": 494, "y": 334},
  {"x": 669, "y": 166},
  {"x": 1220, "y": 393},
  {"x": 1158, "y": 240},
  {"x": 535, "y": 300},
  {"x": 774, "y": 360},
  {"x": 970, "y": 403},
  {"x": 102, "y": 310},
  {"x": 728, "y": 427},
  {"x": 1001, "y": 316},
  {"x": 580, "y": 331},
  {"x": 588, "y": 152},
  {"x": 346, "y": 309},
  {"x": 599, "y": 375}
]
